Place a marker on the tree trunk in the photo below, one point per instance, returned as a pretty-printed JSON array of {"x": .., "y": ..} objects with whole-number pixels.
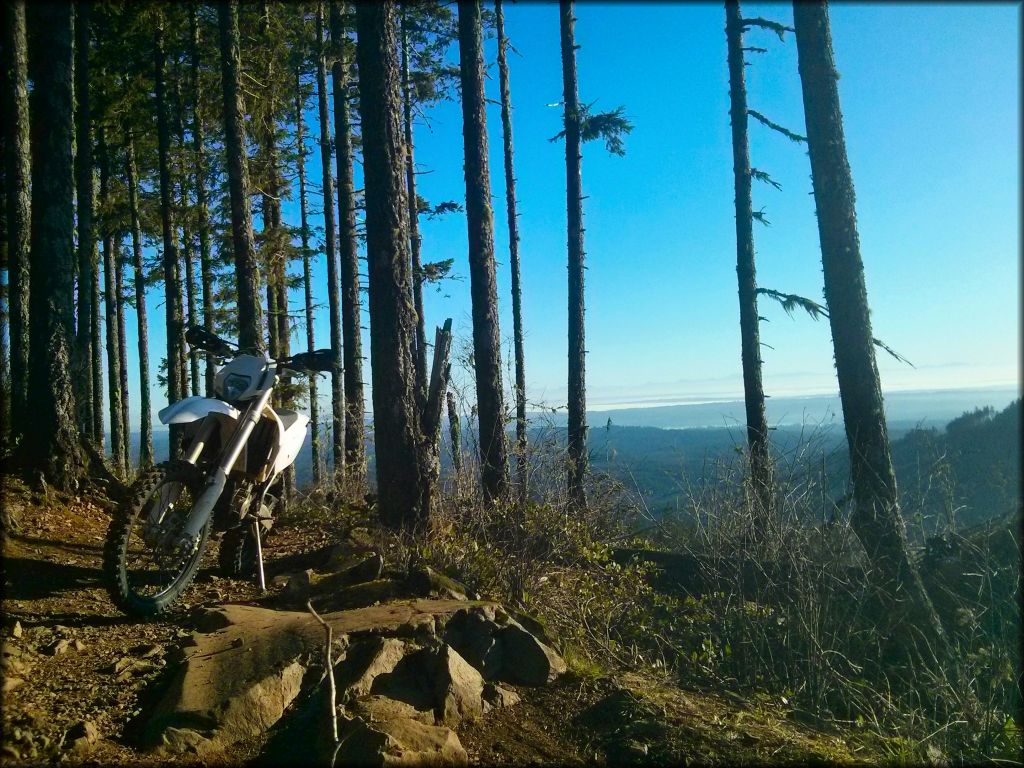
[
  {"x": 110, "y": 303},
  {"x": 202, "y": 206},
  {"x": 876, "y": 517},
  {"x": 172, "y": 284},
  {"x": 87, "y": 255},
  {"x": 122, "y": 357},
  {"x": 392, "y": 317},
  {"x": 483, "y": 283},
  {"x": 247, "y": 275},
  {"x": 18, "y": 169},
  {"x": 351, "y": 301},
  {"x": 331, "y": 253},
  {"x": 52, "y": 446},
  {"x": 455, "y": 432},
  {"x": 190, "y": 359},
  {"x": 578, "y": 458},
  {"x": 146, "y": 417},
  {"x": 513, "y": 247},
  {"x": 300, "y": 149},
  {"x": 750, "y": 344},
  {"x": 415, "y": 240}
]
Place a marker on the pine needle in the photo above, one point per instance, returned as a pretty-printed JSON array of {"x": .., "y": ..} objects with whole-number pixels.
[{"x": 776, "y": 127}]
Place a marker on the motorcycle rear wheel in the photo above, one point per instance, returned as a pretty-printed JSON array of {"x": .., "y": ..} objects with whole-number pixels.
[{"x": 144, "y": 571}]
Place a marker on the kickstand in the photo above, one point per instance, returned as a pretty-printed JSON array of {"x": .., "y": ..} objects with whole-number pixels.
[{"x": 259, "y": 557}]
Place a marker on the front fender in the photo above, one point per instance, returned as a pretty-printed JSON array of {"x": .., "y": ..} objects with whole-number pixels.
[{"x": 194, "y": 408}]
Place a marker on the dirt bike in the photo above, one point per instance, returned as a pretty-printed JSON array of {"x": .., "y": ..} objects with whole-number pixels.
[{"x": 228, "y": 479}]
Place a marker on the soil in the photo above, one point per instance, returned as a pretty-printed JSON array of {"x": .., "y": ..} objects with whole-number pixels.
[{"x": 108, "y": 673}]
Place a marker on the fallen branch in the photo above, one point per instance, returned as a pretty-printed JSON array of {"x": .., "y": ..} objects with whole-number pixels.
[{"x": 330, "y": 678}]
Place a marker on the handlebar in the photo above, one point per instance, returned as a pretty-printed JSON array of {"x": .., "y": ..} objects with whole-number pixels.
[
  {"x": 200, "y": 338},
  {"x": 317, "y": 361}
]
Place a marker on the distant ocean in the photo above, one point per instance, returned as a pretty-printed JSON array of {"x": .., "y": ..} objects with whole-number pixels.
[{"x": 904, "y": 410}]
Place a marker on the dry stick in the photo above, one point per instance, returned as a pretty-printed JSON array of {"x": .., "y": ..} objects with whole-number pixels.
[{"x": 330, "y": 678}]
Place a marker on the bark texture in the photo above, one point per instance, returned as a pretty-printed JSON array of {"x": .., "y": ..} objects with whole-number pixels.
[
  {"x": 392, "y": 317},
  {"x": 51, "y": 446},
  {"x": 331, "y": 253},
  {"x": 513, "y": 248},
  {"x": 351, "y": 300},
  {"x": 300, "y": 149},
  {"x": 202, "y": 203},
  {"x": 750, "y": 338},
  {"x": 876, "y": 517},
  {"x": 145, "y": 419},
  {"x": 415, "y": 239},
  {"x": 577, "y": 437},
  {"x": 87, "y": 254},
  {"x": 247, "y": 275},
  {"x": 172, "y": 283},
  {"x": 483, "y": 282},
  {"x": 17, "y": 169},
  {"x": 110, "y": 303}
]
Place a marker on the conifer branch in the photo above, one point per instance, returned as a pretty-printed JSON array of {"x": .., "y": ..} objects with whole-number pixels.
[
  {"x": 760, "y": 217},
  {"x": 755, "y": 49},
  {"x": 776, "y": 127},
  {"x": 772, "y": 26},
  {"x": 791, "y": 302},
  {"x": 763, "y": 176}
]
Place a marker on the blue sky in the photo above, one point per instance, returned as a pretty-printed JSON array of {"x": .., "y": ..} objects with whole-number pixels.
[{"x": 931, "y": 99}]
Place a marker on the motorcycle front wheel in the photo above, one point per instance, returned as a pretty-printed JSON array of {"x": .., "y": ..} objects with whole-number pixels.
[{"x": 145, "y": 569}]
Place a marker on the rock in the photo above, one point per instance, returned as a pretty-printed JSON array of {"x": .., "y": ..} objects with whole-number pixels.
[
  {"x": 525, "y": 659},
  {"x": 473, "y": 634},
  {"x": 381, "y": 709},
  {"x": 59, "y": 647},
  {"x": 457, "y": 687},
  {"x": 81, "y": 737},
  {"x": 149, "y": 651},
  {"x": 497, "y": 696},
  {"x": 78, "y": 645},
  {"x": 181, "y": 741},
  {"x": 356, "y": 569},
  {"x": 12, "y": 683},
  {"x": 399, "y": 741},
  {"x": 364, "y": 663},
  {"x": 330, "y": 598},
  {"x": 16, "y": 630},
  {"x": 424, "y": 581},
  {"x": 233, "y": 695}
]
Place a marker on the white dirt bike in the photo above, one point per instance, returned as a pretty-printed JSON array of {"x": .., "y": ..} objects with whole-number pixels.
[{"x": 228, "y": 479}]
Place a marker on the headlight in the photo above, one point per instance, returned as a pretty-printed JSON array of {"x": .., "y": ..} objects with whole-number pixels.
[{"x": 235, "y": 386}]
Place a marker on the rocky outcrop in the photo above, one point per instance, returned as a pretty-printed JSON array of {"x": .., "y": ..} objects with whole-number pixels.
[{"x": 407, "y": 671}]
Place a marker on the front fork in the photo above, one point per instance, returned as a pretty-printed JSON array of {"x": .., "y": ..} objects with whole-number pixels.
[{"x": 218, "y": 477}]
